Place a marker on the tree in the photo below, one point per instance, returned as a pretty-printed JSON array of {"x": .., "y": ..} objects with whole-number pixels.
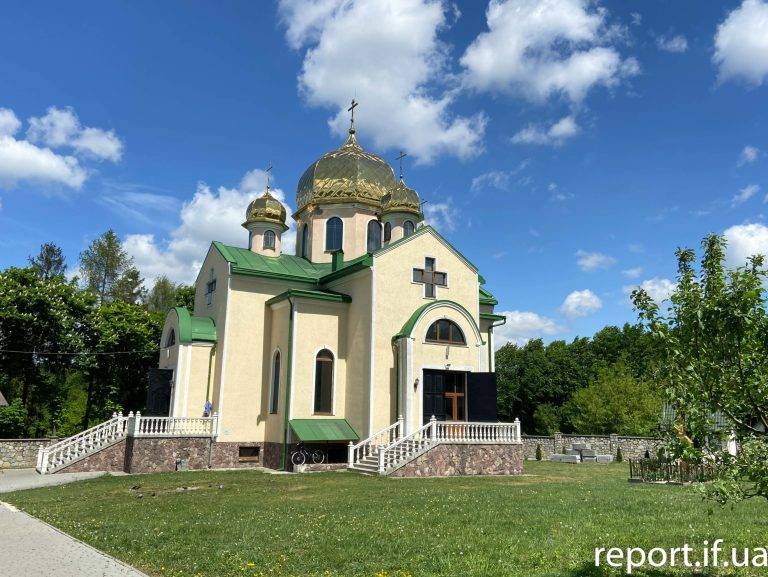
[
  {"x": 185, "y": 296},
  {"x": 162, "y": 296},
  {"x": 44, "y": 324},
  {"x": 49, "y": 262},
  {"x": 103, "y": 263},
  {"x": 12, "y": 420},
  {"x": 616, "y": 402},
  {"x": 713, "y": 354},
  {"x": 129, "y": 288}
]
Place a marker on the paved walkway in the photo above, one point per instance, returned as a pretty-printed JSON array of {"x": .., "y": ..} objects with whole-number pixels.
[
  {"x": 31, "y": 548},
  {"x": 17, "y": 479}
]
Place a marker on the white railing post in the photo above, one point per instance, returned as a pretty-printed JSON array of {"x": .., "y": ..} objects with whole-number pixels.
[
  {"x": 400, "y": 427},
  {"x": 382, "y": 450},
  {"x": 517, "y": 434},
  {"x": 351, "y": 454},
  {"x": 137, "y": 424},
  {"x": 216, "y": 425},
  {"x": 433, "y": 428}
]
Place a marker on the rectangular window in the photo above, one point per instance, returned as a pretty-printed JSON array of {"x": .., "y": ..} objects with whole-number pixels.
[
  {"x": 248, "y": 454},
  {"x": 323, "y": 385}
]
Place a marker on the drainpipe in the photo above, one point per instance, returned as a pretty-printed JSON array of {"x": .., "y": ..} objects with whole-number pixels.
[
  {"x": 490, "y": 352},
  {"x": 288, "y": 376},
  {"x": 396, "y": 348},
  {"x": 210, "y": 366}
]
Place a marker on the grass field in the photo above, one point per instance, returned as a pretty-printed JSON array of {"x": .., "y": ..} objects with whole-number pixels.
[{"x": 246, "y": 523}]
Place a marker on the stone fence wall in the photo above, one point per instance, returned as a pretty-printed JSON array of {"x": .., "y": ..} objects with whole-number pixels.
[
  {"x": 21, "y": 453},
  {"x": 631, "y": 447}
]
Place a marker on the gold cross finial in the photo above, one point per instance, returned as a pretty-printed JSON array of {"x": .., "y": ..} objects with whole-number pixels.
[
  {"x": 351, "y": 110},
  {"x": 400, "y": 158},
  {"x": 268, "y": 172}
]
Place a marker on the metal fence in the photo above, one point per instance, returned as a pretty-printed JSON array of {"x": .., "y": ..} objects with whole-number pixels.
[{"x": 663, "y": 471}]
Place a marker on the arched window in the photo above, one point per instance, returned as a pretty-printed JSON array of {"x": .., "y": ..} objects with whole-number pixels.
[
  {"x": 445, "y": 332},
  {"x": 387, "y": 232},
  {"x": 374, "y": 235},
  {"x": 305, "y": 241},
  {"x": 324, "y": 382},
  {"x": 269, "y": 240},
  {"x": 334, "y": 234},
  {"x": 408, "y": 228},
  {"x": 171, "y": 340},
  {"x": 274, "y": 392}
]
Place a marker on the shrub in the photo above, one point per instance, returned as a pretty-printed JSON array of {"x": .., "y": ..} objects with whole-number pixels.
[
  {"x": 12, "y": 419},
  {"x": 538, "y": 452},
  {"x": 619, "y": 456}
]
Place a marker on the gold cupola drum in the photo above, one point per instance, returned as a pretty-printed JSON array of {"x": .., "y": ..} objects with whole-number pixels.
[{"x": 265, "y": 222}]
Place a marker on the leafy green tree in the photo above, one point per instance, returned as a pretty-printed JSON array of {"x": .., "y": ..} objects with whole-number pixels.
[
  {"x": 13, "y": 420},
  {"x": 546, "y": 419},
  {"x": 713, "y": 354},
  {"x": 126, "y": 347},
  {"x": 49, "y": 262},
  {"x": 103, "y": 263},
  {"x": 616, "y": 402},
  {"x": 162, "y": 296},
  {"x": 42, "y": 323},
  {"x": 185, "y": 296},
  {"x": 129, "y": 288}
]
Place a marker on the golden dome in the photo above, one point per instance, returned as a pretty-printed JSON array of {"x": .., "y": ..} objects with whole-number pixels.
[
  {"x": 402, "y": 199},
  {"x": 266, "y": 208},
  {"x": 347, "y": 174}
]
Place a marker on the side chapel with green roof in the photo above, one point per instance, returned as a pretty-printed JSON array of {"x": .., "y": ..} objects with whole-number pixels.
[{"x": 376, "y": 316}]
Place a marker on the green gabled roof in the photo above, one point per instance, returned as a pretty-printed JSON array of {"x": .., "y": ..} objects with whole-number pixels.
[
  {"x": 329, "y": 296},
  {"x": 487, "y": 298},
  {"x": 194, "y": 328},
  {"x": 286, "y": 266},
  {"x": 492, "y": 317},
  {"x": 313, "y": 430},
  {"x": 413, "y": 319}
]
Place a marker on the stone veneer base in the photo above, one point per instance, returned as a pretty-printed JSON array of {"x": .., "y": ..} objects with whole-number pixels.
[{"x": 449, "y": 459}]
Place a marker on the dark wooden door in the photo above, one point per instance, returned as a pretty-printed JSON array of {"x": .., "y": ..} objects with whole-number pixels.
[
  {"x": 445, "y": 395},
  {"x": 481, "y": 402}
]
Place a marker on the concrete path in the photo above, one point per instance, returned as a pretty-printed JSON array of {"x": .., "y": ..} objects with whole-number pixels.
[
  {"x": 18, "y": 479},
  {"x": 32, "y": 548}
]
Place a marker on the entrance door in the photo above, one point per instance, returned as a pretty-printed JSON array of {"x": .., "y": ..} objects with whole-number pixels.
[{"x": 445, "y": 395}]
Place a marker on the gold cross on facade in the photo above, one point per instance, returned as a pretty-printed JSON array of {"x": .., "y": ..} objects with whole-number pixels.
[{"x": 351, "y": 110}]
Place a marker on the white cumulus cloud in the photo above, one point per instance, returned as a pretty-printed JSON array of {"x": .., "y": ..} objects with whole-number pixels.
[
  {"x": 440, "y": 215},
  {"x": 741, "y": 44},
  {"x": 522, "y": 326},
  {"x": 580, "y": 304},
  {"x": 745, "y": 240},
  {"x": 634, "y": 272},
  {"x": 9, "y": 123},
  {"x": 554, "y": 135},
  {"x": 61, "y": 127},
  {"x": 677, "y": 43},
  {"x": 22, "y": 160},
  {"x": 387, "y": 54},
  {"x": 749, "y": 154},
  {"x": 210, "y": 215},
  {"x": 659, "y": 289},
  {"x": 589, "y": 261},
  {"x": 540, "y": 48}
]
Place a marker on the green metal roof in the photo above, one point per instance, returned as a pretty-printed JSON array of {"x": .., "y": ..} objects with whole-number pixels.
[
  {"x": 286, "y": 266},
  {"x": 487, "y": 298},
  {"x": 194, "y": 328},
  {"x": 313, "y": 430},
  {"x": 330, "y": 296},
  {"x": 492, "y": 317}
]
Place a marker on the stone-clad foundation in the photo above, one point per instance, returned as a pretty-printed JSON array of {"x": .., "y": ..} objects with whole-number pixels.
[{"x": 449, "y": 459}]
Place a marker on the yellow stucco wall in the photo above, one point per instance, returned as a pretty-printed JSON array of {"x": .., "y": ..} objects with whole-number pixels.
[
  {"x": 396, "y": 298},
  {"x": 355, "y": 219}
]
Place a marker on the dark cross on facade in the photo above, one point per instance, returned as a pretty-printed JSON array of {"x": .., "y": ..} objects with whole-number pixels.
[
  {"x": 351, "y": 110},
  {"x": 269, "y": 173},
  {"x": 430, "y": 278},
  {"x": 400, "y": 158}
]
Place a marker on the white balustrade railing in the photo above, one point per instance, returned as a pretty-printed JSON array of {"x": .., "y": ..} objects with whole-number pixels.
[
  {"x": 478, "y": 433},
  {"x": 91, "y": 440},
  {"x": 404, "y": 448},
  {"x": 370, "y": 446}
]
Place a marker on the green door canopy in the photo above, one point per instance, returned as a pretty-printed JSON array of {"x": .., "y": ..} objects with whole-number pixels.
[{"x": 314, "y": 430}]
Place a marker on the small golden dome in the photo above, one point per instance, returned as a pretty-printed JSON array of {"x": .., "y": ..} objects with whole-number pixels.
[
  {"x": 402, "y": 199},
  {"x": 266, "y": 208},
  {"x": 347, "y": 174}
]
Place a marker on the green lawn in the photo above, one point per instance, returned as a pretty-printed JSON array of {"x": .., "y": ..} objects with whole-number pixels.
[{"x": 244, "y": 523}]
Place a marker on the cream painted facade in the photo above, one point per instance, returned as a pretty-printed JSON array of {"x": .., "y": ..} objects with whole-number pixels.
[{"x": 361, "y": 306}]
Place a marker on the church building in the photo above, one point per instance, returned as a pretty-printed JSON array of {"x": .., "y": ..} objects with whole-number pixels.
[{"x": 375, "y": 318}]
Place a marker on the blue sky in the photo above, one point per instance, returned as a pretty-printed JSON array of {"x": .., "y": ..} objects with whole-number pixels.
[{"x": 566, "y": 147}]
